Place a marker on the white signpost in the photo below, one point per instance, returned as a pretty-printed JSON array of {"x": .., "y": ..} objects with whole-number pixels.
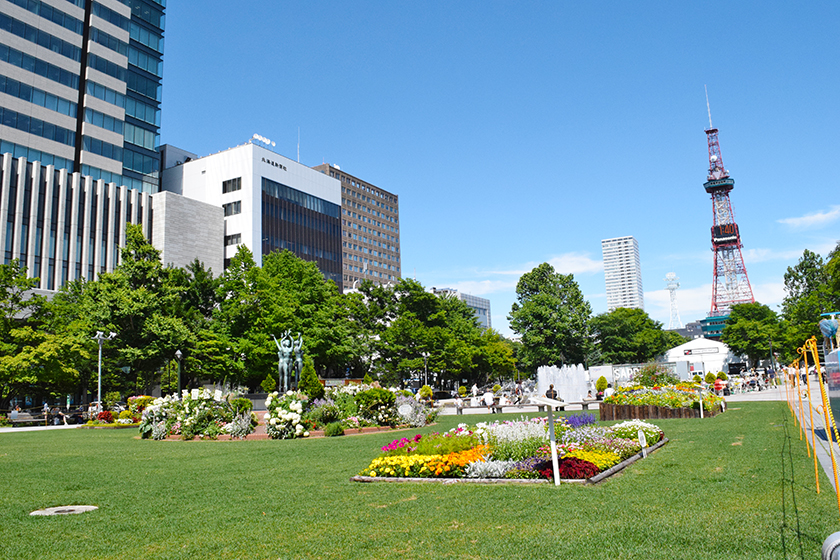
[
  {"x": 643, "y": 443},
  {"x": 550, "y": 404}
]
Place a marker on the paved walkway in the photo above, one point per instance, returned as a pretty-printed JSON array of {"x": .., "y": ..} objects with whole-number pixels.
[{"x": 37, "y": 428}]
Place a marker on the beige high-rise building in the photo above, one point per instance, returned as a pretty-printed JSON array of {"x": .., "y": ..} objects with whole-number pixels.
[{"x": 370, "y": 230}]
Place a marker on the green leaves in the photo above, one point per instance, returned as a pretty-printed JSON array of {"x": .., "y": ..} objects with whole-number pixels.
[
  {"x": 630, "y": 336},
  {"x": 749, "y": 330},
  {"x": 552, "y": 317}
]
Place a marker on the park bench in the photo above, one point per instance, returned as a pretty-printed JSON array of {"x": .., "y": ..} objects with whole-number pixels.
[{"x": 26, "y": 419}]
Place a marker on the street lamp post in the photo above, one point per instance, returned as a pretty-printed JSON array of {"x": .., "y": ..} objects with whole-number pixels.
[
  {"x": 178, "y": 356},
  {"x": 100, "y": 338},
  {"x": 425, "y": 367}
]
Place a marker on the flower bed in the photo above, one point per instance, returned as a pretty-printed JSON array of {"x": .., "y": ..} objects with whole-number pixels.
[
  {"x": 512, "y": 450},
  {"x": 673, "y": 401},
  {"x": 353, "y": 408}
]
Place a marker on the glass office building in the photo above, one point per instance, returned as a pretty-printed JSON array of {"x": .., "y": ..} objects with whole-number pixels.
[{"x": 80, "y": 86}]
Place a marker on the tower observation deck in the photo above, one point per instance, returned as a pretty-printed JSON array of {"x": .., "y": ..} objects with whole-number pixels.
[{"x": 730, "y": 285}]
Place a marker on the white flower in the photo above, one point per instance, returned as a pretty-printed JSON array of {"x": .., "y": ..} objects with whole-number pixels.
[
  {"x": 274, "y": 421},
  {"x": 266, "y": 416},
  {"x": 305, "y": 434},
  {"x": 289, "y": 393}
]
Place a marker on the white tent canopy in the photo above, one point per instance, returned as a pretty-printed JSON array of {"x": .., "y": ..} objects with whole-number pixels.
[{"x": 715, "y": 356}]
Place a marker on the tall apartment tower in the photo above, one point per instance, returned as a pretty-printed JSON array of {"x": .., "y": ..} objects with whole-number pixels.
[
  {"x": 370, "y": 230},
  {"x": 80, "y": 86},
  {"x": 623, "y": 273}
]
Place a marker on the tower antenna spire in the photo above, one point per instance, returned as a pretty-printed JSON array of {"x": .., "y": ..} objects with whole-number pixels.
[{"x": 708, "y": 109}]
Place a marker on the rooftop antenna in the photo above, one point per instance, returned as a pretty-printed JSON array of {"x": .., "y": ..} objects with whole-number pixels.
[{"x": 707, "y": 106}]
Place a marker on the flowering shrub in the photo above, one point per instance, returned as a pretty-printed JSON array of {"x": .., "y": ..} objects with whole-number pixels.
[
  {"x": 414, "y": 413},
  {"x": 630, "y": 430},
  {"x": 283, "y": 416},
  {"x": 424, "y": 466},
  {"x": 572, "y": 468},
  {"x": 601, "y": 459},
  {"x": 402, "y": 446},
  {"x": 580, "y": 420},
  {"x": 105, "y": 416},
  {"x": 654, "y": 375},
  {"x": 200, "y": 413}
]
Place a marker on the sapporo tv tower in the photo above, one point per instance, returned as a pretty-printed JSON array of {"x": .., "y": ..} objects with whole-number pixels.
[{"x": 731, "y": 285}]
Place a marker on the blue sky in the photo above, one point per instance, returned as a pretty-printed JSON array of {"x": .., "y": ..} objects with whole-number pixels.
[{"x": 517, "y": 133}]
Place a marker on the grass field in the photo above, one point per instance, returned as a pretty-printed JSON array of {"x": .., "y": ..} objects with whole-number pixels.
[{"x": 739, "y": 485}]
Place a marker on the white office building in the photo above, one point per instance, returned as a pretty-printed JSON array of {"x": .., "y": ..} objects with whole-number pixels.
[
  {"x": 623, "y": 273},
  {"x": 479, "y": 305},
  {"x": 270, "y": 202}
]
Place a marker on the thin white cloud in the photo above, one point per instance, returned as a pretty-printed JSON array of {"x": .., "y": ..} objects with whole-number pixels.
[
  {"x": 484, "y": 287},
  {"x": 764, "y": 255},
  {"x": 567, "y": 263},
  {"x": 814, "y": 219}
]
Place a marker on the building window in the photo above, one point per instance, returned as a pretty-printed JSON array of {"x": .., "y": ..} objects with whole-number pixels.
[
  {"x": 234, "y": 239},
  {"x": 232, "y": 208},
  {"x": 232, "y": 185}
]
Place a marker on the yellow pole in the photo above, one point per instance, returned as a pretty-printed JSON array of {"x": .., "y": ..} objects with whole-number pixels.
[
  {"x": 829, "y": 418},
  {"x": 787, "y": 386},
  {"x": 802, "y": 350},
  {"x": 813, "y": 434}
]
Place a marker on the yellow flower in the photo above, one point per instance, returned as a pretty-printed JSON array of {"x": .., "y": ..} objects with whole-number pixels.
[{"x": 372, "y": 473}]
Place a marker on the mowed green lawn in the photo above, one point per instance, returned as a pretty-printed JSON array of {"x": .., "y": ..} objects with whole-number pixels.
[{"x": 739, "y": 485}]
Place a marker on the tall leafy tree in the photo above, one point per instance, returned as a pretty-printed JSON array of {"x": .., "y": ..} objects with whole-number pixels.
[
  {"x": 749, "y": 330},
  {"x": 807, "y": 294},
  {"x": 552, "y": 318},
  {"x": 630, "y": 336}
]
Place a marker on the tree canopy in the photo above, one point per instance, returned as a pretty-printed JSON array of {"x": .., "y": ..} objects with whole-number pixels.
[
  {"x": 630, "y": 336},
  {"x": 552, "y": 318}
]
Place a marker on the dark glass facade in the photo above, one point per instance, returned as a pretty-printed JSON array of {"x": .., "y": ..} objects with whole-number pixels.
[{"x": 308, "y": 226}]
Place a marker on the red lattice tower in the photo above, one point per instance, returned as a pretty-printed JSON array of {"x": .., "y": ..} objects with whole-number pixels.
[{"x": 731, "y": 285}]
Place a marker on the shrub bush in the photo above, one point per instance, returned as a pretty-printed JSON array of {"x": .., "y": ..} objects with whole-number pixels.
[
  {"x": 334, "y": 429},
  {"x": 367, "y": 379},
  {"x": 654, "y": 375},
  {"x": 497, "y": 388},
  {"x": 462, "y": 391},
  {"x": 309, "y": 383},
  {"x": 126, "y": 415},
  {"x": 601, "y": 384},
  {"x": 105, "y": 416},
  {"x": 241, "y": 406},
  {"x": 697, "y": 378},
  {"x": 722, "y": 376},
  {"x": 322, "y": 412},
  {"x": 268, "y": 384},
  {"x": 710, "y": 378},
  {"x": 425, "y": 392}
]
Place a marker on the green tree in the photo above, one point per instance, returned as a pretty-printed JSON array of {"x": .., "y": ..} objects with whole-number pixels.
[
  {"x": 552, "y": 317},
  {"x": 807, "y": 295},
  {"x": 35, "y": 359},
  {"x": 630, "y": 336},
  {"x": 749, "y": 329}
]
